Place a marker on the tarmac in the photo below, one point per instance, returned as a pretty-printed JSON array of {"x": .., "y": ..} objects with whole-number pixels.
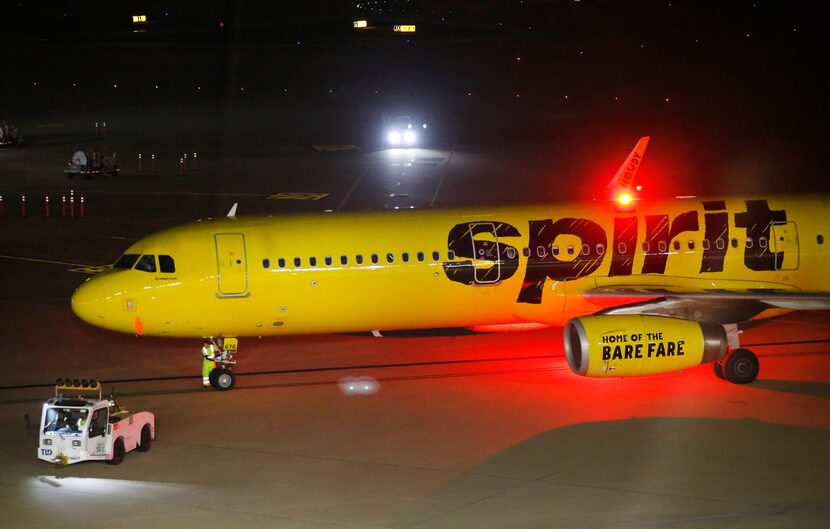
[{"x": 464, "y": 430}]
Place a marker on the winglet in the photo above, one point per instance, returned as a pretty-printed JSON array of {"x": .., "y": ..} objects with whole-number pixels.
[
  {"x": 232, "y": 212},
  {"x": 624, "y": 179}
]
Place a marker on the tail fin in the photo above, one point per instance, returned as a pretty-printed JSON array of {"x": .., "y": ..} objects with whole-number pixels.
[
  {"x": 232, "y": 212},
  {"x": 624, "y": 179}
]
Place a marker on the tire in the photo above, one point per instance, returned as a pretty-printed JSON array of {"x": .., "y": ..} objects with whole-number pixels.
[
  {"x": 741, "y": 366},
  {"x": 225, "y": 380},
  {"x": 213, "y": 374},
  {"x": 118, "y": 452},
  {"x": 146, "y": 439},
  {"x": 717, "y": 367}
]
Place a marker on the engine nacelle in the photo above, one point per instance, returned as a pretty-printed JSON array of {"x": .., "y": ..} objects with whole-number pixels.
[{"x": 631, "y": 345}]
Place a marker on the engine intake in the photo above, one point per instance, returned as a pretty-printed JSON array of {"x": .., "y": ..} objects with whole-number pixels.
[{"x": 631, "y": 345}]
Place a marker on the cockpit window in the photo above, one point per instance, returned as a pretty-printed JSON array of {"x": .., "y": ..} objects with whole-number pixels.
[
  {"x": 126, "y": 261},
  {"x": 167, "y": 265},
  {"x": 147, "y": 263}
]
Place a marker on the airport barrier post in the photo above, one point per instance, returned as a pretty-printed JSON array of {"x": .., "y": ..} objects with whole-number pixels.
[
  {"x": 46, "y": 209},
  {"x": 139, "y": 162},
  {"x": 23, "y": 205}
]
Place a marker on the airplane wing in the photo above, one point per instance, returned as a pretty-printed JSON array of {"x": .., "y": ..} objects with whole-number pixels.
[{"x": 714, "y": 306}]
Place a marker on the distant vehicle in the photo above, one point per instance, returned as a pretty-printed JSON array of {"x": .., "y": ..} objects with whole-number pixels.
[
  {"x": 401, "y": 130},
  {"x": 92, "y": 164},
  {"x": 9, "y": 137},
  {"x": 75, "y": 429}
]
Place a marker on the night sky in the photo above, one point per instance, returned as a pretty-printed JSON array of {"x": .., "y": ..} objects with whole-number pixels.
[{"x": 734, "y": 89}]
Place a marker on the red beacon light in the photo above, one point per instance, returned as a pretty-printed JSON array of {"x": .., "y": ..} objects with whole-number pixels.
[{"x": 625, "y": 199}]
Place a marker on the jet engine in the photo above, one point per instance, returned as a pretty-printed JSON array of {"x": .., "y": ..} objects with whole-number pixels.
[{"x": 632, "y": 345}]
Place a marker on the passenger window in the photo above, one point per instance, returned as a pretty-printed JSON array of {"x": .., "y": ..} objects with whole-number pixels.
[
  {"x": 622, "y": 247},
  {"x": 374, "y": 258},
  {"x": 646, "y": 247},
  {"x": 540, "y": 251},
  {"x": 705, "y": 244},
  {"x": 749, "y": 242},
  {"x": 586, "y": 249},
  {"x": 420, "y": 257},
  {"x": 147, "y": 263},
  {"x": 281, "y": 262},
  {"x": 266, "y": 263},
  {"x": 312, "y": 261},
  {"x": 820, "y": 239},
  {"x": 676, "y": 246},
  {"x": 526, "y": 251},
  {"x": 328, "y": 260},
  {"x": 126, "y": 261},
  {"x": 344, "y": 260},
  {"x": 436, "y": 256},
  {"x": 734, "y": 243},
  {"x": 511, "y": 253},
  {"x": 554, "y": 250},
  {"x": 600, "y": 248},
  {"x": 390, "y": 258},
  {"x": 662, "y": 246},
  {"x": 451, "y": 255},
  {"x": 358, "y": 259},
  {"x": 405, "y": 257},
  {"x": 297, "y": 262},
  {"x": 762, "y": 242},
  {"x": 570, "y": 249},
  {"x": 719, "y": 244},
  {"x": 167, "y": 265},
  {"x": 691, "y": 245}
]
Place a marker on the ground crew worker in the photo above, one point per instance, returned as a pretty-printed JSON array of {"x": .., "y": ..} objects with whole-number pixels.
[{"x": 208, "y": 362}]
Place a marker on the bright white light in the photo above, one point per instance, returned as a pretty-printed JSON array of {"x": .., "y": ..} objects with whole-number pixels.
[
  {"x": 409, "y": 137},
  {"x": 359, "y": 386},
  {"x": 394, "y": 137}
]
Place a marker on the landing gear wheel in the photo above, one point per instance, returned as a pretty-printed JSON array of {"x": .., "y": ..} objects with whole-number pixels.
[
  {"x": 213, "y": 374},
  {"x": 146, "y": 439},
  {"x": 717, "y": 367},
  {"x": 118, "y": 452},
  {"x": 741, "y": 366},
  {"x": 222, "y": 379}
]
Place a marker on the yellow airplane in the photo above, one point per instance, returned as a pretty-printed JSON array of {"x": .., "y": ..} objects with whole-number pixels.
[{"x": 641, "y": 287}]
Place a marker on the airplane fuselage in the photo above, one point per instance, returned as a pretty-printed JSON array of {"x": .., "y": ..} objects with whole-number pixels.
[{"x": 334, "y": 272}]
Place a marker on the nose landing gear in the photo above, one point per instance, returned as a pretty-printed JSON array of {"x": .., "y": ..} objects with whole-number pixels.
[{"x": 222, "y": 377}]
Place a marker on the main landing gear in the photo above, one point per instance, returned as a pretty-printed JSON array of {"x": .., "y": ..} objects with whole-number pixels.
[{"x": 739, "y": 366}]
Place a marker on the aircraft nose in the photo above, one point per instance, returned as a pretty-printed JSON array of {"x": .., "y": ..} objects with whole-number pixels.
[{"x": 88, "y": 303}]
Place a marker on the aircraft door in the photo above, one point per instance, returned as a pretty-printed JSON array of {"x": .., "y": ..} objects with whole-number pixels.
[
  {"x": 232, "y": 265},
  {"x": 784, "y": 242},
  {"x": 487, "y": 261}
]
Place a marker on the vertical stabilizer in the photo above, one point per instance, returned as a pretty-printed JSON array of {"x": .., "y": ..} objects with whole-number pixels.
[{"x": 624, "y": 179}]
